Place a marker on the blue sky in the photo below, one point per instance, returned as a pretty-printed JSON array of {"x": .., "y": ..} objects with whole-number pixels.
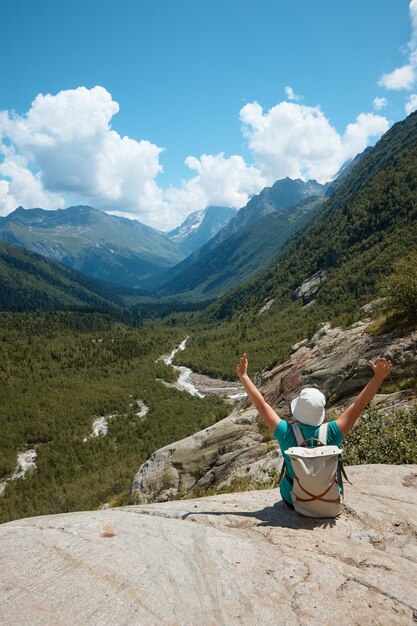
[{"x": 186, "y": 76}]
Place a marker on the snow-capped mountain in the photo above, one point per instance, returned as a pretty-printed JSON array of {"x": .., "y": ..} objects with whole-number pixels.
[{"x": 200, "y": 226}]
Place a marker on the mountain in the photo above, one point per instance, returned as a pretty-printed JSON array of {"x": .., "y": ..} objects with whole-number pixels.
[
  {"x": 200, "y": 226},
  {"x": 282, "y": 195},
  {"x": 29, "y": 281},
  {"x": 362, "y": 230},
  {"x": 345, "y": 170},
  {"x": 247, "y": 243},
  {"x": 103, "y": 246},
  {"x": 242, "y": 255}
]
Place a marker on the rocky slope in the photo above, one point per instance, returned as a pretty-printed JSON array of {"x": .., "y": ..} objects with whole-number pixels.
[
  {"x": 237, "y": 447},
  {"x": 235, "y": 559}
]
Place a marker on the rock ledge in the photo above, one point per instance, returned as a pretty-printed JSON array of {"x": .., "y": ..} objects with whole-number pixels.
[{"x": 239, "y": 559}]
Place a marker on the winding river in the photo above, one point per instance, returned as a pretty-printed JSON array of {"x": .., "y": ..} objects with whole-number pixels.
[{"x": 200, "y": 385}]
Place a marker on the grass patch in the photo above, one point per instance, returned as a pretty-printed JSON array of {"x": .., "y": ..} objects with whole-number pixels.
[
  {"x": 387, "y": 323},
  {"x": 401, "y": 385}
]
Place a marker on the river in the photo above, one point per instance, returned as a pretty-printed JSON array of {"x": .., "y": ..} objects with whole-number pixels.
[{"x": 200, "y": 385}]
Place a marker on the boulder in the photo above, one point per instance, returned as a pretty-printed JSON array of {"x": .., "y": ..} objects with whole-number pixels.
[
  {"x": 232, "y": 448},
  {"x": 310, "y": 287},
  {"x": 234, "y": 559}
]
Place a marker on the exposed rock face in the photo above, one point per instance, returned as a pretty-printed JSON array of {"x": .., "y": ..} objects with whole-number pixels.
[
  {"x": 267, "y": 305},
  {"x": 235, "y": 559},
  {"x": 309, "y": 288},
  {"x": 233, "y": 447},
  {"x": 337, "y": 362}
]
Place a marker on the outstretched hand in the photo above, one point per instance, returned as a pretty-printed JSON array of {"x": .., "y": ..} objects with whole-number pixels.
[
  {"x": 381, "y": 367},
  {"x": 242, "y": 366}
]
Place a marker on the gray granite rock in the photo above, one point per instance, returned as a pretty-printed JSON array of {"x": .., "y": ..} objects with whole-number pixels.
[
  {"x": 232, "y": 448},
  {"x": 231, "y": 560},
  {"x": 309, "y": 288},
  {"x": 337, "y": 362}
]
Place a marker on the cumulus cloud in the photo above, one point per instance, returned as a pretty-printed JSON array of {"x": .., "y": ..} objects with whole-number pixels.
[
  {"x": 401, "y": 78},
  {"x": 65, "y": 146},
  {"x": 291, "y": 95},
  {"x": 411, "y": 104},
  {"x": 219, "y": 181},
  {"x": 379, "y": 103},
  {"x": 298, "y": 141},
  {"x": 356, "y": 136},
  {"x": 64, "y": 151},
  {"x": 22, "y": 186},
  {"x": 404, "y": 77}
]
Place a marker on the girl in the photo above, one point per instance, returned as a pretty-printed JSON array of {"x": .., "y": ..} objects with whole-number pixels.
[{"x": 308, "y": 409}]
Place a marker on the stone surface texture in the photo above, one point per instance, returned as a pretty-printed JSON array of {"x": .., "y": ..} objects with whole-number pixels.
[
  {"x": 232, "y": 448},
  {"x": 309, "y": 288},
  {"x": 234, "y": 559},
  {"x": 337, "y": 362}
]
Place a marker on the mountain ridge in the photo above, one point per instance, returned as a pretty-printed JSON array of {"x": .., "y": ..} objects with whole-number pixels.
[
  {"x": 30, "y": 281},
  {"x": 278, "y": 199},
  {"x": 100, "y": 245},
  {"x": 362, "y": 230}
]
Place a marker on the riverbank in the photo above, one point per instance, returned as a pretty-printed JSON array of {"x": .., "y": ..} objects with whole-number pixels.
[{"x": 199, "y": 384}]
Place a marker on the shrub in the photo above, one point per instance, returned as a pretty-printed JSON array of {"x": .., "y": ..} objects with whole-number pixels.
[
  {"x": 400, "y": 288},
  {"x": 378, "y": 438}
]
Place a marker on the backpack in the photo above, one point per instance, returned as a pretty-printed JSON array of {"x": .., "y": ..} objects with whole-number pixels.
[{"x": 317, "y": 475}]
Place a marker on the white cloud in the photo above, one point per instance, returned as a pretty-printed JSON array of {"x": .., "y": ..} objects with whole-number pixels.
[
  {"x": 356, "y": 136},
  {"x": 413, "y": 17},
  {"x": 379, "y": 103},
  {"x": 298, "y": 141},
  {"x": 64, "y": 151},
  {"x": 291, "y": 95},
  {"x": 411, "y": 105},
  {"x": 219, "y": 181},
  {"x": 22, "y": 186},
  {"x": 7, "y": 201},
  {"x": 401, "y": 78},
  {"x": 64, "y": 145},
  {"x": 404, "y": 77}
]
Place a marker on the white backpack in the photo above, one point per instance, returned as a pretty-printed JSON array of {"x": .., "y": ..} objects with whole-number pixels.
[{"x": 317, "y": 470}]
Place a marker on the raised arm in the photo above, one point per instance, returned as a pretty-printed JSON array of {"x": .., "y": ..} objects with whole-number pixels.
[
  {"x": 347, "y": 419},
  {"x": 268, "y": 414}
]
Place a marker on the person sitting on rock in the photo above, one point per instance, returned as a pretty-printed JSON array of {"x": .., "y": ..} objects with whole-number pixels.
[{"x": 308, "y": 409}]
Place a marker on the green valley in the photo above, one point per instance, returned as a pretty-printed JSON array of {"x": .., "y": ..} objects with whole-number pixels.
[{"x": 58, "y": 372}]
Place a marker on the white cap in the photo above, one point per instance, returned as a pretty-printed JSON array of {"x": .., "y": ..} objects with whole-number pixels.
[{"x": 308, "y": 407}]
